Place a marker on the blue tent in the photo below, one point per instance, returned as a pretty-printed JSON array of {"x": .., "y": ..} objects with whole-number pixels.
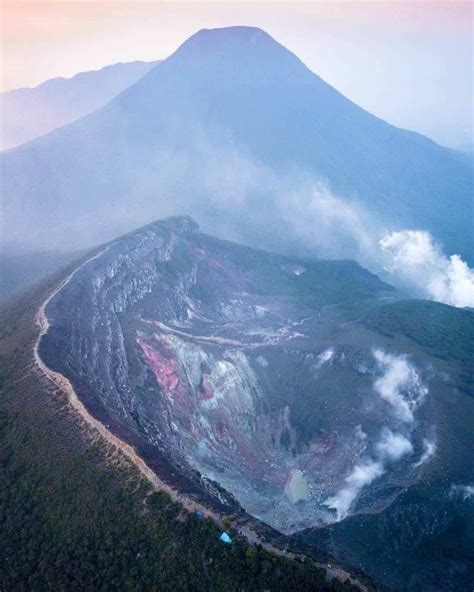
[{"x": 225, "y": 538}]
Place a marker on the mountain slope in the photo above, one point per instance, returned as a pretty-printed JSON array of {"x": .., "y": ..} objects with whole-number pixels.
[
  {"x": 19, "y": 271},
  {"x": 31, "y": 112},
  {"x": 300, "y": 392},
  {"x": 201, "y": 315},
  {"x": 209, "y": 132},
  {"x": 75, "y": 515}
]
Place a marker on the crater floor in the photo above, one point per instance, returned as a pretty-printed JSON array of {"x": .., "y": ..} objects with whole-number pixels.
[{"x": 235, "y": 371}]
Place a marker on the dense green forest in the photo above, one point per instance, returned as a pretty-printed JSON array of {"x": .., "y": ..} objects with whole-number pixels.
[{"x": 74, "y": 518}]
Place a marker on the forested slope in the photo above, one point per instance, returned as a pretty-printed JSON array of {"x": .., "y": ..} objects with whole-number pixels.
[{"x": 73, "y": 516}]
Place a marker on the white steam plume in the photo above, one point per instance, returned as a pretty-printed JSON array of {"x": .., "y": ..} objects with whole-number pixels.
[
  {"x": 361, "y": 475},
  {"x": 466, "y": 492},
  {"x": 313, "y": 219},
  {"x": 390, "y": 448},
  {"x": 429, "y": 449},
  {"x": 414, "y": 257},
  {"x": 393, "y": 446},
  {"x": 336, "y": 227},
  {"x": 399, "y": 385}
]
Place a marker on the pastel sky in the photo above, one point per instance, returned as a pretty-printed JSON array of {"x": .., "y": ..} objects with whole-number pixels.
[{"x": 409, "y": 62}]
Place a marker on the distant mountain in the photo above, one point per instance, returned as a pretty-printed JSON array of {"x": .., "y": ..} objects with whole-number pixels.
[
  {"x": 210, "y": 132},
  {"x": 31, "y": 112},
  {"x": 18, "y": 269},
  {"x": 467, "y": 148}
]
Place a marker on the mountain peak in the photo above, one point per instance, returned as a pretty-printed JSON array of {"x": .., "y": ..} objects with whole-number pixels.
[
  {"x": 236, "y": 38},
  {"x": 181, "y": 224},
  {"x": 235, "y": 34},
  {"x": 227, "y": 49}
]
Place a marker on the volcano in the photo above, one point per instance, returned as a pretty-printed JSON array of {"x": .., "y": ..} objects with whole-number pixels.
[
  {"x": 302, "y": 392},
  {"x": 210, "y": 132}
]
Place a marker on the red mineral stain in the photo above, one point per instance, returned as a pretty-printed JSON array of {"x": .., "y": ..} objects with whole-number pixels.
[{"x": 165, "y": 370}]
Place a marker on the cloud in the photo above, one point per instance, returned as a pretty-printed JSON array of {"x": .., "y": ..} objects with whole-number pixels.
[
  {"x": 336, "y": 227},
  {"x": 413, "y": 257},
  {"x": 466, "y": 492},
  {"x": 237, "y": 197},
  {"x": 429, "y": 449},
  {"x": 362, "y": 474},
  {"x": 393, "y": 446},
  {"x": 399, "y": 385},
  {"x": 339, "y": 227},
  {"x": 343, "y": 228}
]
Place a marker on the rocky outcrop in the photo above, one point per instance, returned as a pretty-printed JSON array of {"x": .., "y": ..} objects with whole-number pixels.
[{"x": 217, "y": 362}]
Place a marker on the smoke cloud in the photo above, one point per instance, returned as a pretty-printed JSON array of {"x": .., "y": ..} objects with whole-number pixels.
[
  {"x": 361, "y": 476},
  {"x": 338, "y": 227},
  {"x": 334, "y": 226},
  {"x": 414, "y": 258},
  {"x": 314, "y": 220},
  {"x": 399, "y": 385},
  {"x": 429, "y": 450},
  {"x": 466, "y": 492},
  {"x": 393, "y": 446}
]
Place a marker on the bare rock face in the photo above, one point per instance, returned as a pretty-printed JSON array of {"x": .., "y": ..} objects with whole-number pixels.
[
  {"x": 228, "y": 365},
  {"x": 300, "y": 391}
]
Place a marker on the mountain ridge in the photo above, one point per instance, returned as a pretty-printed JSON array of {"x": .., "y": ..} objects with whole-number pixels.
[
  {"x": 82, "y": 73},
  {"x": 165, "y": 134},
  {"x": 75, "y": 488},
  {"x": 31, "y": 112},
  {"x": 279, "y": 380}
]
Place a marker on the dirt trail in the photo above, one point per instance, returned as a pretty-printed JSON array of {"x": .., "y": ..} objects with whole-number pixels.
[
  {"x": 64, "y": 384},
  {"x": 130, "y": 453}
]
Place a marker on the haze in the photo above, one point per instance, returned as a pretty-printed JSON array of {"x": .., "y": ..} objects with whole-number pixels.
[
  {"x": 427, "y": 86},
  {"x": 236, "y": 306}
]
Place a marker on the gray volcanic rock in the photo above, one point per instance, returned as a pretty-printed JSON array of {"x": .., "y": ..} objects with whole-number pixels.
[
  {"x": 293, "y": 388},
  {"x": 175, "y": 336}
]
